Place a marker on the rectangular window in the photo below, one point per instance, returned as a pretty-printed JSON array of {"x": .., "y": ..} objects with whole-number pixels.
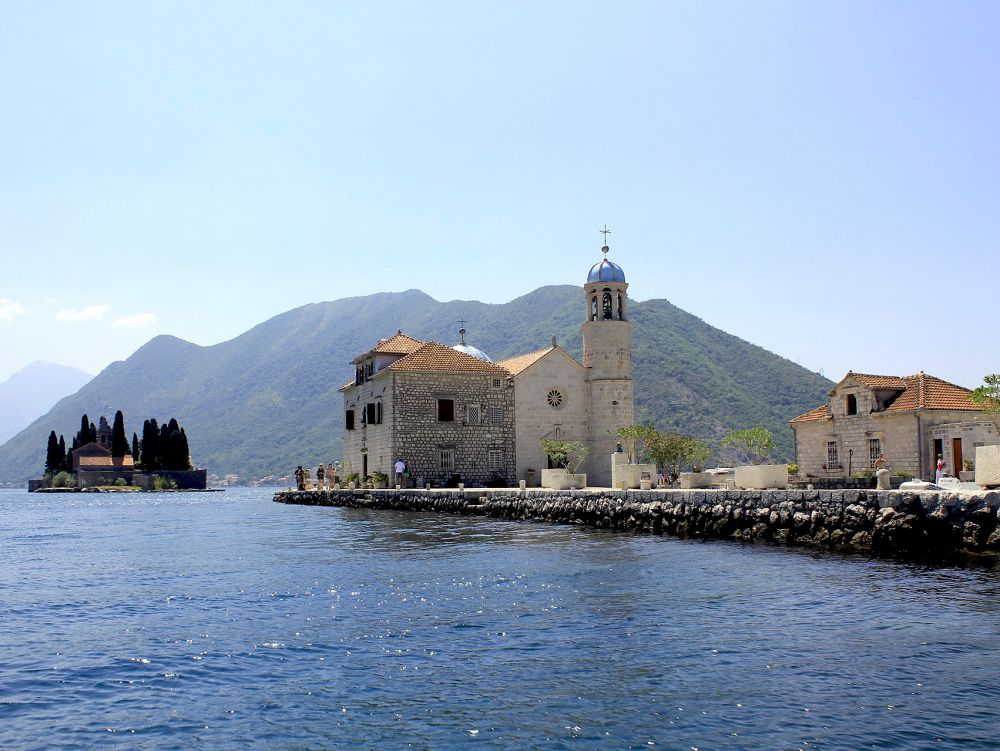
[
  {"x": 350, "y": 419},
  {"x": 446, "y": 460},
  {"x": 496, "y": 415},
  {"x": 497, "y": 383},
  {"x": 446, "y": 410},
  {"x": 874, "y": 450},
  {"x": 831, "y": 455},
  {"x": 370, "y": 416},
  {"x": 495, "y": 460},
  {"x": 473, "y": 414}
]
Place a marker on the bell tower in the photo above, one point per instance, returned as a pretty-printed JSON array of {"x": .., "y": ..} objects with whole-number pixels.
[{"x": 607, "y": 356}]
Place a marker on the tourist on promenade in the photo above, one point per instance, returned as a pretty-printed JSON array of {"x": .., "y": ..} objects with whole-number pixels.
[
  {"x": 331, "y": 475},
  {"x": 300, "y": 478},
  {"x": 940, "y": 469},
  {"x": 319, "y": 476},
  {"x": 400, "y": 469}
]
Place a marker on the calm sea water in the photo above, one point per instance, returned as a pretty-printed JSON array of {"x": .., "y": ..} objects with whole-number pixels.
[{"x": 223, "y": 620}]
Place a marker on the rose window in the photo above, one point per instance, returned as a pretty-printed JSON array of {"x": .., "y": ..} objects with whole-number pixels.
[{"x": 554, "y": 398}]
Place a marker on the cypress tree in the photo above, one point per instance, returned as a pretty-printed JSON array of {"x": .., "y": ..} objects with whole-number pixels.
[
  {"x": 135, "y": 448},
  {"x": 184, "y": 451},
  {"x": 166, "y": 455},
  {"x": 83, "y": 435},
  {"x": 150, "y": 445},
  {"x": 53, "y": 458},
  {"x": 64, "y": 463},
  {"x": 93, "y": 433},
  {"x": 119, "y": 443}
]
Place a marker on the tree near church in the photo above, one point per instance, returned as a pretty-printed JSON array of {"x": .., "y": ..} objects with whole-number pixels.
[
  {"x": 119, "y": 443},
  {"x": 753, "y": 445},
  {"x": 636, "y": 441},
  {"x": 150, "y": 445},
  {"x": 562, "y": 454},
  {"x": 53, "y": 456}
]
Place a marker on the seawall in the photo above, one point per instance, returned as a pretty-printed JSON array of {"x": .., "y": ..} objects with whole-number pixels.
[{"x": 890, "y": 523}]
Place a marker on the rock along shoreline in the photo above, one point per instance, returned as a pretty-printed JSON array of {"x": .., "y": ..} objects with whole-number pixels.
[{"x": 912, "y": 525}]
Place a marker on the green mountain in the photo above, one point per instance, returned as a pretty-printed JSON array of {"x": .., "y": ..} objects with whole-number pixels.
[{"x": 268, "y": 400}]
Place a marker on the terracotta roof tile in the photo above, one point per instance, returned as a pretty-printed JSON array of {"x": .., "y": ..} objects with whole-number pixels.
[
  {"x": 920, "y": 391},
  {"x": 878, "y": 381},
  {"x": 520, "y": 363},
  {"x": 820, "y": 413},
  {"x": 397, "y": 344},
  {"x": 928, "y": 392},
  {"x": 434, "y": 356}
]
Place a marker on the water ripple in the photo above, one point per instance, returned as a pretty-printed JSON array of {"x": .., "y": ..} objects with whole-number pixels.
[{"x": 181, "y": 621}]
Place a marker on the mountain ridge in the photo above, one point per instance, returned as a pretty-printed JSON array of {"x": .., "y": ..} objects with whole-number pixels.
[{"x": 268, "y": 399}]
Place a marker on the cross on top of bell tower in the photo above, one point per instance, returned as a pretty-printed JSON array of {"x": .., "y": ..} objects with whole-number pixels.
[{"x": 605, "y": 232}]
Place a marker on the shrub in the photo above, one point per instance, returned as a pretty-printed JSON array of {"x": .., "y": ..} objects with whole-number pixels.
[
  {"x": 904, "y": 475},
  {"x": 163, "y": 483},
  {"x": 120, "y": 482},
  {"x": 793, "y": 468},
  {"x": 565, "y": 453},
  {"x": 753, "y": 445},
  {"x": 968, "y": 465},
  {"x": 380, "y": 477},
  {"x": 64, "y": 480}
]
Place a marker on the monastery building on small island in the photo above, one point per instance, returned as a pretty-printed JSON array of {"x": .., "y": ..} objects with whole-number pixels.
[{"x": 453, "y": 414}]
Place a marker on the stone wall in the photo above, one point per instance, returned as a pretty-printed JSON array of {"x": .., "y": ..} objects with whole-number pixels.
[
  {"x": 894, "y": 523},
  {"x": 420, "y": 437}
]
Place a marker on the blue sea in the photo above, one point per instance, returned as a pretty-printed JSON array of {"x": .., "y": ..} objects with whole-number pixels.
[{"x": 227, "y": 621}]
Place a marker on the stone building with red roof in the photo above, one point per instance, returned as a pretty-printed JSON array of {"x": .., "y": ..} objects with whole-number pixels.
[
  {"x": 908, "y": 420},
  {"x": 452, "y": 414}
]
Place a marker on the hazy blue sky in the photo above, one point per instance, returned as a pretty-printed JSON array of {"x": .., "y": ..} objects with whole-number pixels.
[{"x": 822, "y": 179}]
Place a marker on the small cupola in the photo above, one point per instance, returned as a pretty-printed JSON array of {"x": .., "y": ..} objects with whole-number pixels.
[{"x": 468, "y": 349}]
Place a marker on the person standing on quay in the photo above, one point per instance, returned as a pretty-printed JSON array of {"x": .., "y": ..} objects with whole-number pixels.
[
  {"x": 300, "y": 478},
  {"x": 940, "y": 469},
  {"x": 331, "y": 475},
  {"x": 319, "y": 476},
  {"x": 400, "y": 468}
]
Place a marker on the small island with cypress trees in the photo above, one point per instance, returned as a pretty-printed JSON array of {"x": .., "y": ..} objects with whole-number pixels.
[{"x": 101, "y": 459}]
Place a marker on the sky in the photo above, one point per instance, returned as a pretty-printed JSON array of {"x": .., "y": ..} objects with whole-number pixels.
[{"x": 821, "y": 179}]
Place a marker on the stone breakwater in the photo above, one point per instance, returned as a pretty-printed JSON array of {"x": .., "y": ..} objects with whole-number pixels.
[{"x": 894, "y": 523}]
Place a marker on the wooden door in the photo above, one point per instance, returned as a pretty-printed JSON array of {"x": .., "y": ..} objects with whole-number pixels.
[{"x": 956, "y": 455}]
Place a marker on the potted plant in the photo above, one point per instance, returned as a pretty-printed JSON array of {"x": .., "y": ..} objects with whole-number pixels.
[
  {"x": 352, "y": 480},
  {"x": 566, "y": 458},
  {"x": 754, "y": 446},
  {"x": 380, "y": 480}
]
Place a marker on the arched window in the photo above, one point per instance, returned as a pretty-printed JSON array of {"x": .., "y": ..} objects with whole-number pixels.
[
  {"x": 852, "y": 404},
  {"x": 607, "y": 305},
  {"x": 593, "y": 308},
  {"x": 621, "y": 307}
]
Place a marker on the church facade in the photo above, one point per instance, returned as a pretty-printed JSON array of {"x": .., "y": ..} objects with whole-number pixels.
[{"x": 452, "y": 414}]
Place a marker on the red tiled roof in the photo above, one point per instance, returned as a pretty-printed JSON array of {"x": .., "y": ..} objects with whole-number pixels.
[
  {"x": 820, "y": 413},
  {"x": 877, "y": 381},
  {"x": 520, "y": 363},
  {"x": 928, "y": 392},
  {"x": 920, "y": 391},
  {"x": 397, "y": 344},
  {"x": 434, "y": 356}
]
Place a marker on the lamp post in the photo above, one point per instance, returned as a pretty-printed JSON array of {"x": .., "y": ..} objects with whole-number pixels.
[{"x": 850, "y": 461}]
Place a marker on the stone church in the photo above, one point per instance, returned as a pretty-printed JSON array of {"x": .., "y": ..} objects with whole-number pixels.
[{"x": 453, "y": 414}]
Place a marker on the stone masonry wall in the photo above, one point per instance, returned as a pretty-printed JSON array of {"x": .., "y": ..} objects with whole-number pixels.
[
  {"x": 420, "y": 437},
  {"x": 911, "y": 525}
]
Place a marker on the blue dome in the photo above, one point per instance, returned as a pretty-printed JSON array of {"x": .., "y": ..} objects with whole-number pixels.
[
  {"x": 468, "y": 349},
  {"x": 605, "y": 271}
]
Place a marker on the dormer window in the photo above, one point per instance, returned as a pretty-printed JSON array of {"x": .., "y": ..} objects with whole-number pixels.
[{"x": 851, "y": 407}]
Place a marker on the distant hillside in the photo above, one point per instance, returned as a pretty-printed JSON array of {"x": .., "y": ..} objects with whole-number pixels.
[
  {"x": 268, "y": 400},
  {"x": 32, "y": 391}
]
